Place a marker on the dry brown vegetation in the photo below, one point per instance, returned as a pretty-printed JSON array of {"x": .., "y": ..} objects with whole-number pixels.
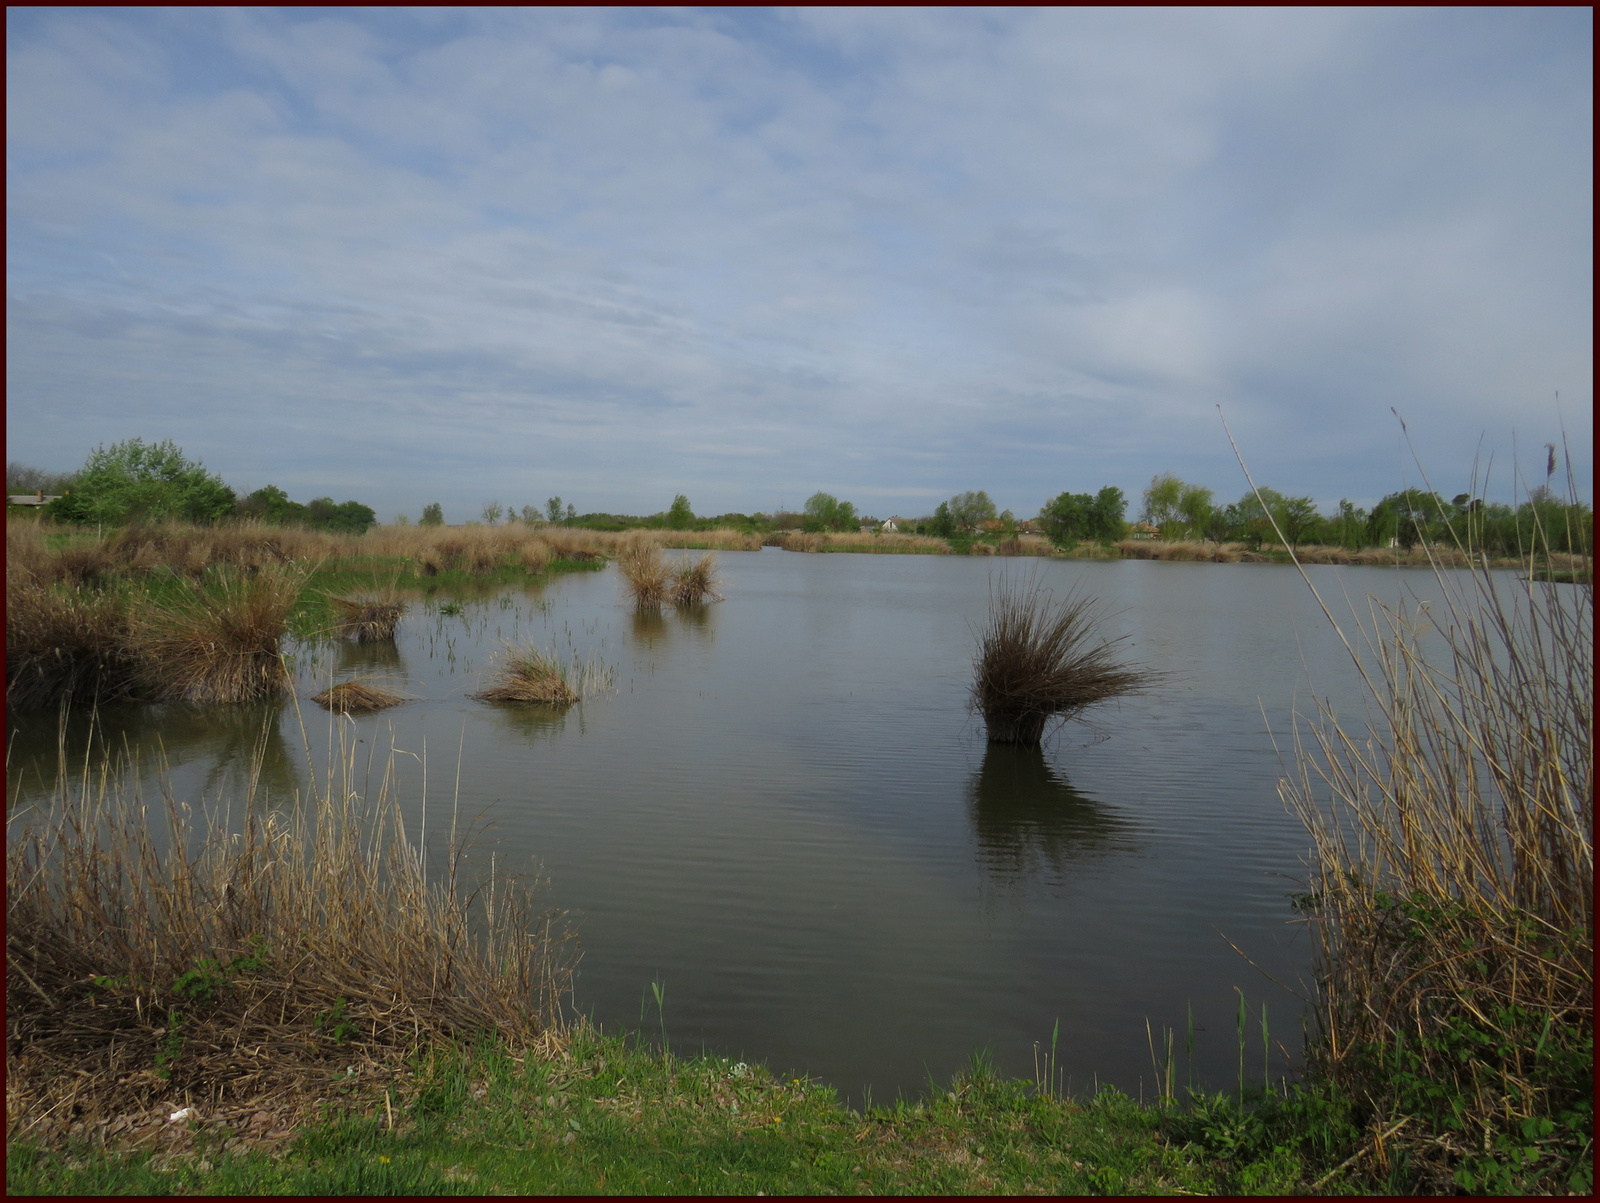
[
  {"x": 1037, "y": 660},
  {"x": 357, "y": 697},
  {"x": 220, "y": 643},
  {"x": 646, "y": 574},
  {"x": 1235, "y": 553},
  {"x": 155, "y": 955},
  {"x": 887, "y": 543},
  {"x": 528, "y": 675},
  {"x": 695, "y": 582},
  {"x": 367, "y": 619}
]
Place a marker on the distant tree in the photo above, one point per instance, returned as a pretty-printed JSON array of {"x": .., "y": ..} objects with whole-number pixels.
[
  {"x": 532, "y": 515},
  {"x": 680, "y": 516},
  {"x": 432, "y": 515},
  {"x": 136, "y": 481},
  {"x": 350, "y": 517},
  {"x": 493, "y": 511},
  {"x": 271, "y": 504},
  {"x": 941, "y": 523},
  {"x": 552, "y": 509},
  {"x": 1298, "y": 516},
  {"x": 969, "y": 511},
  {"x": 572, "y": 512},
  {"x": 1404, "y": 517},
  {"x": 1072, "y": 517},
  {"x": 824, "y": 511},
  {"x": 23, "y": 478},
  {"x": 402, "y": 520},
  {"x": 1177, "y": 507}
]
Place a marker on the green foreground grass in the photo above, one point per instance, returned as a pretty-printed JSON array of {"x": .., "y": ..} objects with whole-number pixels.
[{"x": 616, "y": 1117}]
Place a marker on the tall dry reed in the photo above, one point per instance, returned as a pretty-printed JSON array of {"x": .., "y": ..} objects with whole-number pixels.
[
  {"x": 646, "y": 574},
  {"x": 366, "y": 619},
  {"x": 695, "y": 582},
  {"x": 1452, "y": 880},
  {"x": 1038, "y": 661},
  {"x": 153, "y": 953}
]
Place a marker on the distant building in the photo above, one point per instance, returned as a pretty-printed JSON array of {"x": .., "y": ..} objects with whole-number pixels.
[
  {"x": 890, "y": 524},
  {"x": 38, "y": 498},
  {"x": 1143, "y": 530}
]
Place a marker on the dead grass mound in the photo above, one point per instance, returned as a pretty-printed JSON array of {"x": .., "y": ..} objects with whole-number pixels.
[
  {"x": 646, "y": 574},
  {"x": 154, "y": 955},
  {"x": 357, "y": 697},
  {"x": 67, "y": 641},
  {"x": 1038, "y": 661}
]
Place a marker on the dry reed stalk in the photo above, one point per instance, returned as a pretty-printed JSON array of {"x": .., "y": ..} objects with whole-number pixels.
[
  {"x": 221, "y": 642},
  {"x": 154, "y": 954},
  {"x": 1037, "y": 661},
  {"x": 367, "y": 619},
  {"x": 1452, "y": 882},
  {"x": 527, "y": 675},
  {"x": 696, "y": 583},
  {"x": 979, "y": 548},
  {"x": 645, "y": 572},
  {"x": 357, "y": 697}
]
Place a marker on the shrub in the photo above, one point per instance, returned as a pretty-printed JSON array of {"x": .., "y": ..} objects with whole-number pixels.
[
  {"x": 136, "y": 481},
  {"x": 1037, "y": 661}
]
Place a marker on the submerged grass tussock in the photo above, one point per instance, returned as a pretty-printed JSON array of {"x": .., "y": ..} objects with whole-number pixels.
[
  {"x": 366, "y": 619},
  {"x": 529, "y": 675},
  {"x": 156, "y": 954},
  {"x": 1037, "y": 661},
  {"x": 219, "y": 640},
  {"x": 357, "y": 697}
]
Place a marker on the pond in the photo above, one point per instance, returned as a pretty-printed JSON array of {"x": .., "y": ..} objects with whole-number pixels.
[{"x": 783, "y": 814}]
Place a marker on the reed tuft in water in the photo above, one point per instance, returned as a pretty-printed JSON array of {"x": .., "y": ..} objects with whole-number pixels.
[
  {"x": 357, "y": 697},
  {"x": 366, "y": 619},
  {"x": 695, "y": 583},
  {"x": 528, "y": 675},
  {"x": 1038, "y": 661},
  {"x": 646, "y": 574}
]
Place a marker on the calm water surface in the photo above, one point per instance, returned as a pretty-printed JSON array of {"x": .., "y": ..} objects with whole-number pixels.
[{"x": 784, "y": 814}]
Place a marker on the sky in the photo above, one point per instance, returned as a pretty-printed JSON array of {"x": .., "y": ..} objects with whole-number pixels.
[{"x": 406, "y": 256}]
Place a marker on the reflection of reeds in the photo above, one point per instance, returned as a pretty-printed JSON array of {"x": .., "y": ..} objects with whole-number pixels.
[
  {"x": 696, "y": 583},
  {"x": 357, "y": 697},
  {"x": 1037, "y": 661},
  {"x": 219, "y": 643},
  {"x": 366, "y": 619},
  {"x": 150, "y": 960},
  {"x": 645, "y": 571},
  {"x": 1028, "y": 818}
]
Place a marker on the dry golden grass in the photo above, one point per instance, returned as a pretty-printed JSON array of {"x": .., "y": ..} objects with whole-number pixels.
[
  {"x": 154, "y": 954},
  {"x": 694, "y": 583},
  {"x": 1038, "y": 661},
  {"x": 221, "y": 642},
  {"x": 367, "y": 619},
  {"x": 528, "y": 675},
  {"x": 646, "y": 574},
  {"x": 888, "y": 543},
  {"x": 66, "y": 642},
  {"x": 357, "y": 697}
]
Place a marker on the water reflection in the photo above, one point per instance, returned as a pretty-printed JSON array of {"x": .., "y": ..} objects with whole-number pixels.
[
  {"x": 647, "y": 627},
  {"x": 228, "y": 740},
  {"x": 1029, "y": 820},
  {"x": 363, "y": 658},
  {"x": 697, "y": 621},
  {"x": 533, "y": 723}
]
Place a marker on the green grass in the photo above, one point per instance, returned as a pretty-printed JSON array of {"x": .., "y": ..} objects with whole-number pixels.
[{"x": 616, "y": 1117}]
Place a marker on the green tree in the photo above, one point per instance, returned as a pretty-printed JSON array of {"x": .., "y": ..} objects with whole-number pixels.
[
  {"x": 824, "y": 511},
  {"x": 1297, "y": 517},
  {"x": 1072, "y": 517},
  {"x": 493, "y": 511},
  {"x": 552, "y": 509},
  {"x": 350, "y": 517},
  {"x": 969, "y": 511},
  {"x": 532, "y": 515},
  {"x": 941, "y": 524},
  {"x": 271, "y": 504},
  {"x": 432, "y": 515},
  {"x": 135, "y": 481},
  {"x": 1179, "y": 508},
  {"x": 680, "y": 516}
]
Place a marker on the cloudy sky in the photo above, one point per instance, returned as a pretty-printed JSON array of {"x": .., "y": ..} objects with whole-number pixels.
[{"x": 745, "y": 255}]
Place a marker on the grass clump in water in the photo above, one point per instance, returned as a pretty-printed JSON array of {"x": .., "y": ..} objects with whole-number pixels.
[
  {"x": 218, "y": 641},
  {"x": 357, "y": 697},
  {"x": 366, "y": 619},
  {"x": 530, "y": 676},
  {"x": 646, "y": 574},
  {"x": 695, "y": 583},
  {"x": 1039, "y": 661}
]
